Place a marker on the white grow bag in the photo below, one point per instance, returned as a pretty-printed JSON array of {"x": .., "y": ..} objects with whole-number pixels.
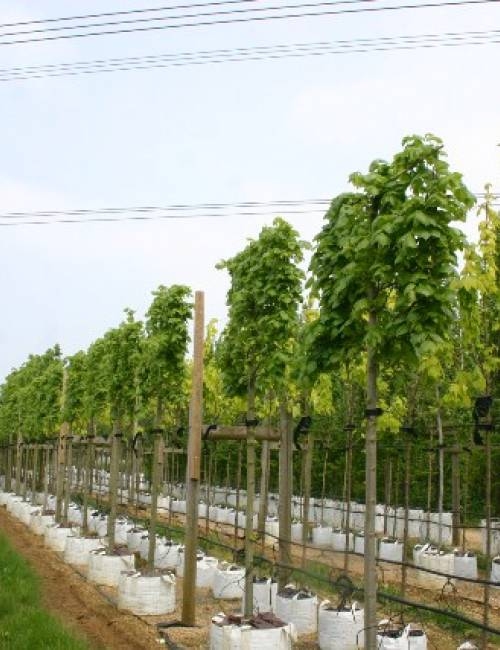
[
  {"x": 410, "y": 638},
  {"x": 228, "y": 582},
  {"x": 166, "y": 555},
  {"x": 205, "y": 571},
  {"x": 55, "y": 537},
  {"x": 146, "y": 595},
  {"x": 298, "y": 607},
  {"x": 105, "y": 569},
  {"x": 322, "y": 536},
  {"x": 77, "y": 549},
  {"x": 495, "y": 570},
  {"x": 265, "y": 591},
  {"x": 340, "y": 630},
  {"x": 40, "y": 522},
  {"x": 180, "y": 562},
  {"x": 297, "y": 532},
  {"x": 390, "y": 549},
  {"x": 244, "y": 637},
  {"x": 5, "y": 497},
  {"x": 465, "y": 565},
  {"x": 134, "y": 537},
  {"x": 359, "y": 544},
  {"x": 467, "y": 646},
  {"x": 339, "y": 539}
]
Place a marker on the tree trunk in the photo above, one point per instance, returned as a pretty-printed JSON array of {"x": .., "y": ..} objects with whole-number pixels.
[
  {"x": 285, "y": 494},
  {"x": 370, "y": 567},
  {"x": 249, "y": 550},
  {"x": 113, "y": 485}
]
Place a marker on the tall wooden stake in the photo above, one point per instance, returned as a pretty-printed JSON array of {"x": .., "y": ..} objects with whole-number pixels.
[
  {"x": 193, "y": 465},
  {"x": 307, "y": 459},
  {"x": 455, "y": 490}
]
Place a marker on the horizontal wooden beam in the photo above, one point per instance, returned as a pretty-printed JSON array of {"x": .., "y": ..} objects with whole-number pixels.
[{"x": 222, "y": 432}]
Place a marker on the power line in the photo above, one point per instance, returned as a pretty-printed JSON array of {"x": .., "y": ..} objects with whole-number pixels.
[
  {"x": 127, "y": 12},
  {"x": 257, "y": 53},
  {"x": 226, "y": 12},
  {"x": 175, "y": 211},
  {"x": 247, "y": 19}
]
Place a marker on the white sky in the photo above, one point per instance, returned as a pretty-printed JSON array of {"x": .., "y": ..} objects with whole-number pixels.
[{"x": 253, "y": 131}]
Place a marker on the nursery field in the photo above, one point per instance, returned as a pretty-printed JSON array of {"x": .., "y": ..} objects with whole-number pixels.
[{"x": 81, "y": 610}]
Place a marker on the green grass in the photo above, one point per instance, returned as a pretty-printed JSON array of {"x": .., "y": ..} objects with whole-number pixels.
[{"x": 24, "y": 625}]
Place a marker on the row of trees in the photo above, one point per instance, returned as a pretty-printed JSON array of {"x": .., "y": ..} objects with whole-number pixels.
[
  {"x": 392, "y": 340},
  {"x": 383, "y": 293}
]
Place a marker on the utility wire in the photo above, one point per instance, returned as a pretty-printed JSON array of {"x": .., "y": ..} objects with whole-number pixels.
[
  {"x": 248, "y": 19},
  {"x": 126, "y": 12},
  {"x": 175, "y": 212},
  {"x": 225, "y": 12},
  {"x": 257, "y": 53}
]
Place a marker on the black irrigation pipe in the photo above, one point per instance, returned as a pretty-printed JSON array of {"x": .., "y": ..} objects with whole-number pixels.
[{"x": 381, "y": 595}]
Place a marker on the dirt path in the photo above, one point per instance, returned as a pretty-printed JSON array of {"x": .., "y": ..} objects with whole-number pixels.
[{"x": 70, "y": 598}]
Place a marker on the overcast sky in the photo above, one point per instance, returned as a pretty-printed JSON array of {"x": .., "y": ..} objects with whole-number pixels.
[{"x": 247, "y": 131}]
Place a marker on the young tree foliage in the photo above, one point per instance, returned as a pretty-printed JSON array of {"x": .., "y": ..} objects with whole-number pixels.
[
  {"x": 382, "y": 272},
  {"x": 165, "y": 348}
]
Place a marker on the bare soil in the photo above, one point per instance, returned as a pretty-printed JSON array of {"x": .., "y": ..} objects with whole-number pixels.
[{"x": 90, "y": 611}]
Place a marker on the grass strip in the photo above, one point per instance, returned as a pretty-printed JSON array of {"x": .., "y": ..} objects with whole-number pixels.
[{"x": 24, "y": 624}]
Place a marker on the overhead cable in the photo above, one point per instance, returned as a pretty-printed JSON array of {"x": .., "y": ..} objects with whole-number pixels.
[
  {"x": 255, "y": 53},
  {"x": 231, "y": 19}
]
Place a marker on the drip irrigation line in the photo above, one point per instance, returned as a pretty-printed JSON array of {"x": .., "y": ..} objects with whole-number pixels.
[
  {"x": 249, "y": 19},
  {"x": 241, "y": 55}
]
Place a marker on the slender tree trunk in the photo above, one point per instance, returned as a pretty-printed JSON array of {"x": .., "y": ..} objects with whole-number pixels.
[
  {"x": 157, "y": 470},
  {"x": 193, "y": 467},
  {"x": 69, "y": 473},
  {"x": 285, "y": 493},
  {"x": 348, "y": 496},
  {"x": 486, "y": 593},
  {"x": 87, "y": 488},
  {"x": 407, "y": 506},
  {"x": 455, "y": 489},
  {"x": 8, "y": 474},
  {"x": 238, "y": 489},
  {"x": 441, "y": 469},
  {"x": 113, "y": 485},
  {"x": 249, "y": 550},
  {"x": 370, "y": 567},
  {"x": 307, "y": 465},
  {"x": 264, "y": 489}
]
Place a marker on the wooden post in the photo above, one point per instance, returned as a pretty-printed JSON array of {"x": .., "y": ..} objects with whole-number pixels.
[
  {"x": 155, "y": 479},
  {"x": 285, "y": 490},
  {"x": 193, "y": 466},
  {"x": 113, "y": 486}
]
